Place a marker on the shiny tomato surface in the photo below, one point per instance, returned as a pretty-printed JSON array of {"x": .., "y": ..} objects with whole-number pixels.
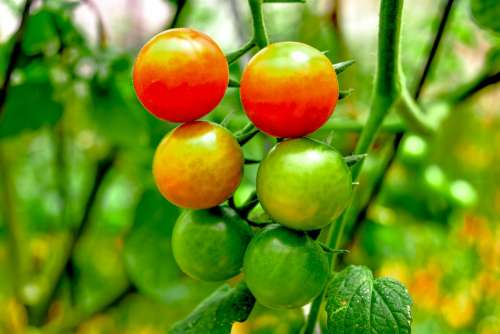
[
  {"x": 180, "y": 75},
  {"x": 198, "y": 165},
  {"x": 209, "y": 245},
  {"x": 304, "y": 184},
  {"x": 284, "y": 268},
  {"x": 289, "y": 89}
]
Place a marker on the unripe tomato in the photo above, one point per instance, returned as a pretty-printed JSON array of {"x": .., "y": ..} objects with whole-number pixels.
[
  {"x": 304, "y": 184},
  {"x": 209, "y": 245},
  {"x": 180, "y": 75},
  {"x": 289, "y": 89},
  {"x": 284, "y": 268},
  {"x": 198, "y": 165}
]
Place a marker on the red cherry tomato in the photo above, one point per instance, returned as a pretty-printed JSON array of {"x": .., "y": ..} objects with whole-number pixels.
[
  {"x": 198, "y": 165},
  {"x": 180, "y": 75},
  {"x": 289, "y": 89}
]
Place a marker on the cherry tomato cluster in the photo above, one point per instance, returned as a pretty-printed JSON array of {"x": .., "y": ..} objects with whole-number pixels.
[{"x": 288, "y": 90}]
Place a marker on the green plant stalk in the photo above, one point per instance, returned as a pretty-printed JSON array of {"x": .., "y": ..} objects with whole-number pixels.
[
  {"x": 48, "y": 291},
  {"x": 101, "y": 30},
  {"x": 413, "y": 116},
  {"x": 178, "y": 10},
  {"x": 444, "y": 19},
  {"x": 347, "y": 125},
  {"x": 14, "y": 55},
  {"x": 386, "y": 91},
  {"x": 235, "y": 55},
  {"x": 259, "y": 29}
]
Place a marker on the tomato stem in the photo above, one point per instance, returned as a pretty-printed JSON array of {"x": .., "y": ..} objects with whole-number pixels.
[
  {"x": 235, "y": 55},
  {"x": 385, "y": 92},
  {"x": 233, "y": 83},
  {"x": 246, "y": 134},
  {"x": 259, "y": 29},
  {"x": 413, "y": 116}
]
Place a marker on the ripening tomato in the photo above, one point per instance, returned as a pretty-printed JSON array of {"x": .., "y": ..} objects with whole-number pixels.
[
  {"x": 304, "y": 184},
  {"x": 209, "y": 245},
  {"x": 198, "y": 165},
  {"x": 289, "y": 89},
  {"x": 180, "y": 75},
  {"x": 284, "y": 268}
]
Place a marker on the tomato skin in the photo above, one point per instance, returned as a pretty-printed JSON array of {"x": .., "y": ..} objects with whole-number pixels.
[
  {"x": 209, "y": 245},
  {"x": 180, "y": 75},
  {"x": 303, "y": 184},
  {"x": 284, "y": 268},
  {"x": 198, "y": 165},
  {"x": 289, "y": 89}
]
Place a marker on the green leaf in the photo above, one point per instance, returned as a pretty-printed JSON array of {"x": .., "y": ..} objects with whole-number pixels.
[
  {"x": 29, "y": 106},
  {"x": 358, "y": 304},
  {"x": 148, "y": 251},
  {"x": 218, "y": 312},
  {"x": 41, "y": 34},
  {"x": 486, "y": 13}
]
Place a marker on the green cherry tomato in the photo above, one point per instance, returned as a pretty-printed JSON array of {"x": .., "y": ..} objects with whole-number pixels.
[
  {"x": 304, "y": 184},
  {"x": 284, "y": 268},
  {"x": 209, "y": 245}
]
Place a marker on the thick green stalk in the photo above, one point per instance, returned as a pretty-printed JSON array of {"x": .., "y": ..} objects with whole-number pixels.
[
  {"x": 259, "y": 29},
  {"x": 429, "y": 64},
  {"x": 386, "y": 89},
  {"x": 385, "y": 92}
]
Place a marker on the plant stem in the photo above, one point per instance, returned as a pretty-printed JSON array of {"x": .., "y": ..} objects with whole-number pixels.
[
  {"x": 259, "y": 29},
  {"x": 235, "y": 55},
  {"x": 348, "y": 125},
  {"x": 14, "y": 55},
  {"x": 246, "y": 134},
  {"x": 387, "y": 74},
  {"x": 469, "y": 89},
  {"x": 399, "y": 137},
  {"x": 103, "y": 168},
  {"x": 414, "y": 117},
  {"x": 101, "y": 30},
  {"x": 385, "y": 93},
  {"x": 434, "y": 47},
  {"x": 177, "y": 14}
]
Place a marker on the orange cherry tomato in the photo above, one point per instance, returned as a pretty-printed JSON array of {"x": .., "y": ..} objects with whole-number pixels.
[
  {"x": 289, "y": 89},
  {"x": 180, "y": 75},
  {"x": 198, "y": 165}
]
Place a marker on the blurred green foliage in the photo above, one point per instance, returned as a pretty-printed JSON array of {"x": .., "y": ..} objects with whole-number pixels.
[{"x": 71, "y": 110}]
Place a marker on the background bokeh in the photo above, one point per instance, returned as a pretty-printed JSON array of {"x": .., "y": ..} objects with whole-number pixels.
[{"x": 76, "y": 149}]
